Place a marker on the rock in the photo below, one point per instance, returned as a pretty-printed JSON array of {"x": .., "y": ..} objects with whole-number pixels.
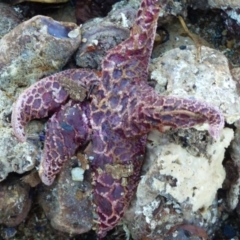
[
  {"x": 77, "y": 174},
  {"x": 6, "y": 101},
  {"x": 35, "y": 48},
  {"x": 123, "y": 13},
  {"x": 8, "y": 233},
  {"x": 236, "y": 77},
  {"x": 98, "y": 39},
  {"x": 178, "y": 187},
  {"x": 9, "y": 19},
  {"x": 14, "y": 156},
  {"x": 230, "y": 13},
  {"x": 182, "y": 75},
  {"x": 101, "y": 34},
  {"x": 32, "y": 178},
  {"x": 67, "y": 203},
  {"x": 231, "y": 18},
  {"x": 233, "y": 192},
  {"x": 86, "y": 10},
  {"x": 221, "y": 3},
  {"x": 177, "y": 39},
  {"x": 15, "y": 202}
]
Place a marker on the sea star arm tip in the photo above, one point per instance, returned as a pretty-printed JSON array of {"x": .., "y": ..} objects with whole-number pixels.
[
  {"x": 45, "y": 178},
  {"x": 17, "y": 124},
  {"x": 155, "y": 111},
  {"x": 216, "y": 123}
]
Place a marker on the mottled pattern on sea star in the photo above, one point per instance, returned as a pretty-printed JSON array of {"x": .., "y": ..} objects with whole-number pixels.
[{"x": 116, "y": 117}]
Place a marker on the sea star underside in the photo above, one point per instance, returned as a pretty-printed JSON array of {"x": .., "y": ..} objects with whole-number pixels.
[{"x": 121, "y": 108}]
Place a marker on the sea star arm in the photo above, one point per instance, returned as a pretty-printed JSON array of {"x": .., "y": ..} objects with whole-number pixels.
[
  {"x": 47, "y": 95},
  {"x": 131, "y": 57},
  {"x": 116, "y": 167},
  {"x": 66, "y": 130},
  {"x": 155, "y": 111}
]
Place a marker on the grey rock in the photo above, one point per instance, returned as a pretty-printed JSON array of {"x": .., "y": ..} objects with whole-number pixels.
[
  {"x": 15, "y": 202},
  {"x": 224, "y": 3},
  {"x": 35, "y": 48},
  {"x": 99, "y": 39},
  {"x": 9, "y": 18},
  {"x": 101, "y": 34},
  {"x": 67, "y": 203},
  {"x": 14, "y": 156}
]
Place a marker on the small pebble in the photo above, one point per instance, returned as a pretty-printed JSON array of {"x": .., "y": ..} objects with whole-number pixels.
[
  {"x": 77, "y": 174},
  {"x": 183, "y": 47}
]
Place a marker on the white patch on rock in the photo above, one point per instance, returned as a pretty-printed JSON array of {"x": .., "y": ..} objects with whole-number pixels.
[
  {"x": 197, "y": 179},
  {"x": 177, "y": 186}
]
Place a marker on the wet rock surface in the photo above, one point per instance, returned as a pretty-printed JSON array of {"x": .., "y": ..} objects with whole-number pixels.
[
  {"x": 24, "y": 58},
  {"x": 233, "y": 192},
  {"x": 101, "y": 34},
  {"x": 163, "y": 213},
  {"x": 220, "y": 3},
  {"x": 15, "y": 202},
  {"x": 99, "y": 39},
  {"x": 16, "y": 157},
  {"x": 9, "y": 19},
  {"x": 67, "y": 203},
  {"x": 86, "y": 10}
]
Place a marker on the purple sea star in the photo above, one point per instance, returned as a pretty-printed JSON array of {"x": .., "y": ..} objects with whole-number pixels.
[{"x": 116, "y": 116}]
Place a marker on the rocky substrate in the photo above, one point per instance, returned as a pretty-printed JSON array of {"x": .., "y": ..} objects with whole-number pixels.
[{"x": 190, "y": 183}]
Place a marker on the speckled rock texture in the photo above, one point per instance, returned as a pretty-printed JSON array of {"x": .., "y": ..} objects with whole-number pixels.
[
  {"x": 67, "y": 203},
  {"x": 15, "y": 202},
  {"x": 102, "y": 34},
  {"x": 224, "y": 3},
  {"x": 9, "y": 19},
  {"x": 232, "y": 19},
  {"x": 231, "y": 13},
  {"x": 178, "y": 73},
  {"x": 35, "y": 48},
  {"x": 14, "y": 156},
  {"x": 178, "y": 39},
  {"x": 99, "y": 38}
]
